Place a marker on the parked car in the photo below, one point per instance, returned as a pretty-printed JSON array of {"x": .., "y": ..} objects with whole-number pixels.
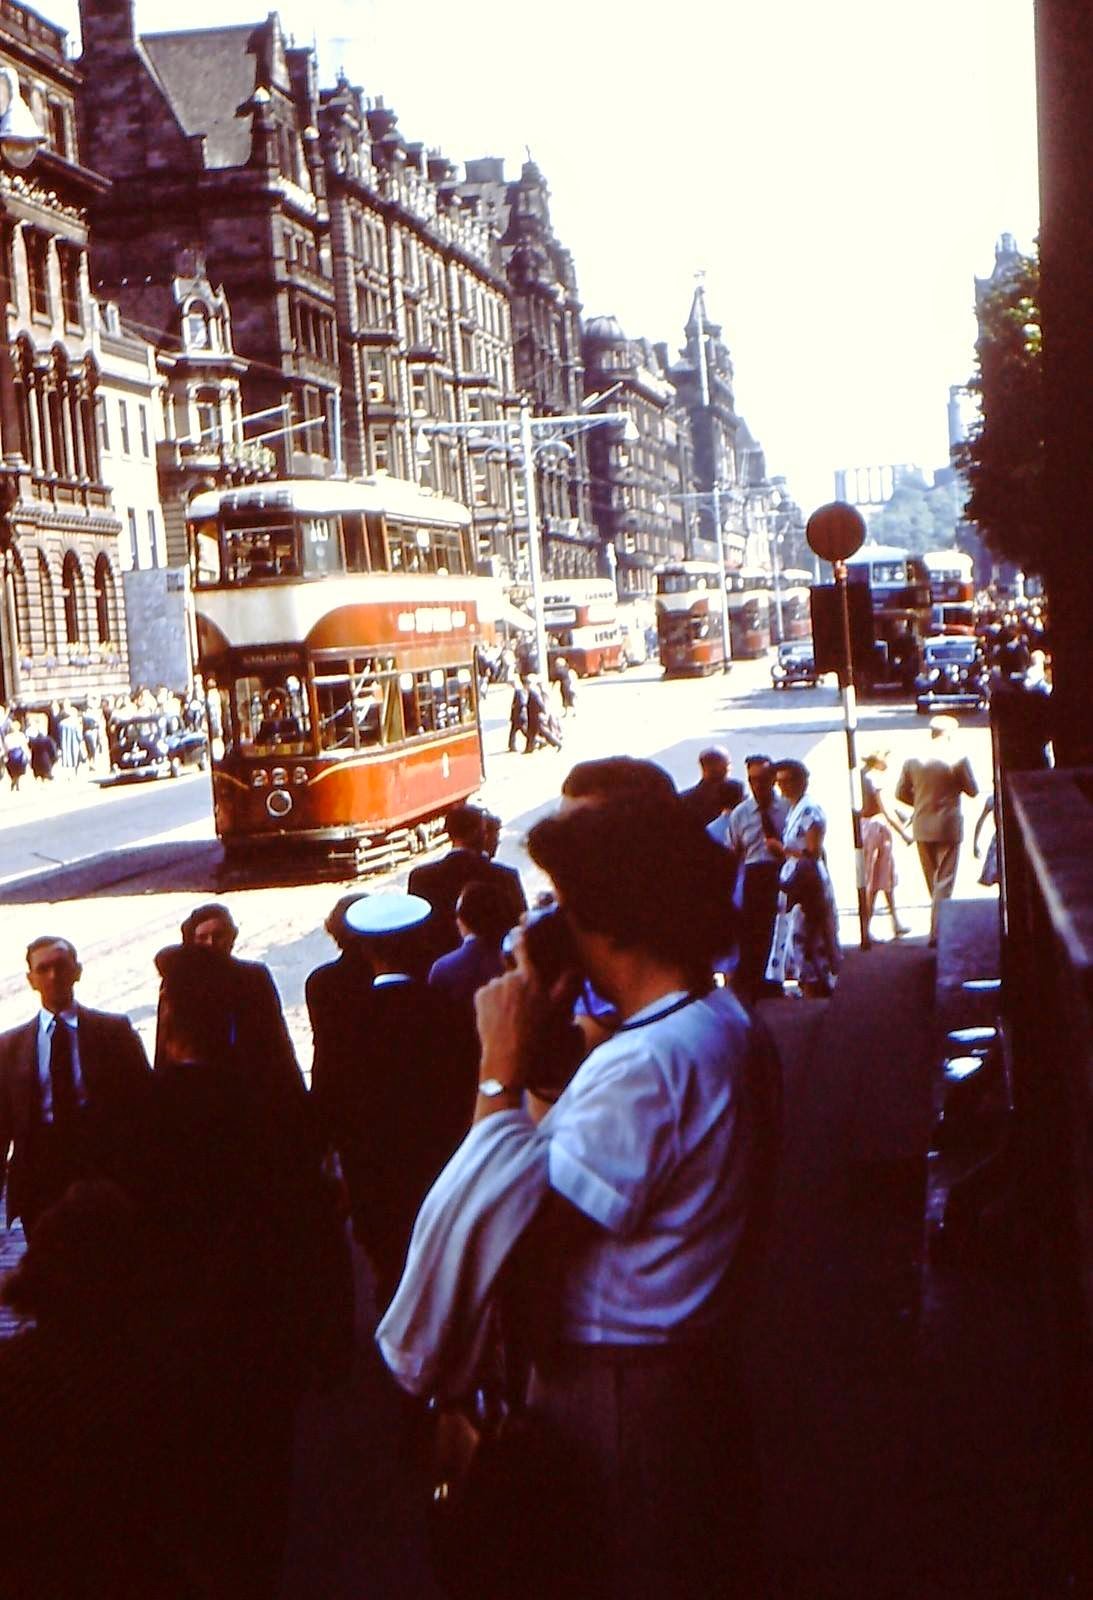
[
  {"x": 794, "y": 663},
  {"x": 953, "y": 674},
  {"x": 152, "y": 746}
]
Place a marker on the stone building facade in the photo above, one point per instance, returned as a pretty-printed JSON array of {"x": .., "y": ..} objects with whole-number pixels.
[
  {"x": 638, "y": 494},
  {"x": 703, "y": 380},
  {"x": 211, "y": 139},
  {"x": 423, "y": 316},
  {"x": 546, "y": 336},
  {"x": 62, "y": 626}
]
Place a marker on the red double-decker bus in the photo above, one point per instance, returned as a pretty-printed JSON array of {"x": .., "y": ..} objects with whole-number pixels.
[{"x": 336, "y": 625}]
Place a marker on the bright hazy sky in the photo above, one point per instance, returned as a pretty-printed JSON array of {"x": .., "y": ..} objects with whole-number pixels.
[{"x": 840, "y": 170}]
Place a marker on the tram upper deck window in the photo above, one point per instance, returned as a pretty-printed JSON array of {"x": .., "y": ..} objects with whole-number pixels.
[
  {"x": 262, "y": 551},
  {"x": 889, "y": 573}
]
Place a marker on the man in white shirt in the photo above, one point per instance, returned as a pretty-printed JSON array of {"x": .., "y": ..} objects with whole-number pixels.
[
  {"x": 74, "y": 1091},
  {"x": 661, "y": 1156},
  {"x": 759, "y": 817}
]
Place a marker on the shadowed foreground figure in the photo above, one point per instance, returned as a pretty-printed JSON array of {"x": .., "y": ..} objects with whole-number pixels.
[{"x": 90, "y": 1406}]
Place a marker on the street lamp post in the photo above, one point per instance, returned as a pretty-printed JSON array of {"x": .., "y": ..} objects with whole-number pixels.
[
  {"x": 834, "y": 532},
  {"x": 704, "y": 394},
  {"x": 524, "y": 435}
]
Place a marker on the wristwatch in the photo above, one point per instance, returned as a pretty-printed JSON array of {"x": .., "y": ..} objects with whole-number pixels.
[{"x": 493, "y": 1087}]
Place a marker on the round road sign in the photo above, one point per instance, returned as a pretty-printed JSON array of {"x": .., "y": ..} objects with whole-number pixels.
[{"x": 835, "y": 531}]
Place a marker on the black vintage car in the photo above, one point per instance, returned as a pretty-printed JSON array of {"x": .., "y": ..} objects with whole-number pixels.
[
  {"x": 953, "y": 675},
  {"x": 794, "y": 663},
  {"x": 154, "y": 746}
]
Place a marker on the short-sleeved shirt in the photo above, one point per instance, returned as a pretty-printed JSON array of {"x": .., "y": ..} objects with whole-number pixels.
[
  {"x": 746, "y": 832},
  {"x": 650, "y": 1141}
]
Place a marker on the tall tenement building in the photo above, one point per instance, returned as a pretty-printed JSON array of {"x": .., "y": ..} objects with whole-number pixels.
[
  {"x": 546, "y": 334},
  {"x": 211, "y": 140},
  {"x": 637, "y": 485},
  {"x": 423, "y": 315},
  {"x": 62, "y": 625}
]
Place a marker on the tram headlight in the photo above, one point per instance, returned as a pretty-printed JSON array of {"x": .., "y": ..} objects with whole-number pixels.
[
  {"x": 259, "y": 778},
  {"x": 278, "y": 803},
  {"x": 299, "y": 775}
]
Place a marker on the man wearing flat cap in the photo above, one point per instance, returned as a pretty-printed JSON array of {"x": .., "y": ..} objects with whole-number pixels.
[{"x": 932, "y": 787}]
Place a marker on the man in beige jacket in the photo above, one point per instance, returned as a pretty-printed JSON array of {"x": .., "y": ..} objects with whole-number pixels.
[{"x": 932, "y": 788}]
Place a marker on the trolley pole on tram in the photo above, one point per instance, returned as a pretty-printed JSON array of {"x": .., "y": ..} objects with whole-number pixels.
[{"x": 834, "y": 532}]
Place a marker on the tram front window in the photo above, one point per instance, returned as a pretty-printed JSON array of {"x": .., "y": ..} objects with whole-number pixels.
[{"x": 271, "y": 715}]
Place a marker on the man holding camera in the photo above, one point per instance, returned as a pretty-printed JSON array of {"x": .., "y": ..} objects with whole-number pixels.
[{"x": 657, "y": 1165}]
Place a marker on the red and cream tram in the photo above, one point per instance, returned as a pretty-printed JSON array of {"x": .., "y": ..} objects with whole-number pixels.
[
  {"x": 582, "y": 625},
  {"x": 749, "y": 612},
  {"x": 794, "y": 584},
  {"x": 336, "y": 625},
  {"x": 688, "y": 603}
]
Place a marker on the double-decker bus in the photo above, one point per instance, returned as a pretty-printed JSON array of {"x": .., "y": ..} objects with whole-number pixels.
[
  {"x": 688, "y": 602},
  {"x": 951, "y": 576},
  {"x": 336, "y": 625},
  {"x": 582, "y": 624},
  {"x": 792, "y": 586},
  {"x": 899, "y": 590},
  {"x": 749, "y": 611}
]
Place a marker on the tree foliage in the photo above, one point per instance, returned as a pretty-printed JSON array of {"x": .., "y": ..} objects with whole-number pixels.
[
  {"x": 1003, "y": 459},
  {"x": 918, "y": 517}
]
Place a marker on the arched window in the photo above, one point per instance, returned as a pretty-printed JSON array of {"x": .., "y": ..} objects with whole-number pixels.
[
  {"x": 106, "y": 600},
  {"x": 45, "y": 601},
  {"x": 22, "y": 601},
  {"x": 72, "y": 590}
]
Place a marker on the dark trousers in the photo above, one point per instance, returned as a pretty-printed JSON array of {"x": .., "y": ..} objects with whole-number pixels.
[{"x": 759, "y": 906}]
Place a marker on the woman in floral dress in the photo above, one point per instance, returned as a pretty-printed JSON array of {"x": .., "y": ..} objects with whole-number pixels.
[{"x": 805, "y": 945}]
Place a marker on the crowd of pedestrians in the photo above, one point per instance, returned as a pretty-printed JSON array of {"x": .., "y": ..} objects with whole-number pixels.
[
  {"x": 553, "y": 1134},
  {"x": 39, "y": 742}
]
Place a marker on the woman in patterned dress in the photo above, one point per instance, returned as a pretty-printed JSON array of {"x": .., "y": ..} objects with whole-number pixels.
[{"x": 805, "y": 944}]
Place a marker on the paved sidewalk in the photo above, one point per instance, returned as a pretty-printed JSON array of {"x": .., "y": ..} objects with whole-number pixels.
[{"x": 907, "y": 1415}]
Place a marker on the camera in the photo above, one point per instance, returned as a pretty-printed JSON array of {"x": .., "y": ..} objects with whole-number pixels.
[{"x": 548, "y": 941}]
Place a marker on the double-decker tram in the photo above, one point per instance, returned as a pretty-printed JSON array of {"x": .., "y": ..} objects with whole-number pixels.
[
  {"x": 750, "y": 598},
  {"x": 688, "y": 605},
  {"x": 899, "y": 591},
  {"x": 951, "y": 576},
  {"x": 582, "y": 624},
  {"x": 793, "y": 586},
  {"x": 336, "y": 625}
]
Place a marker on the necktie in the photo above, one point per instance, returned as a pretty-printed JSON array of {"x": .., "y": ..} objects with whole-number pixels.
[
  {"x": 770, "y": 828},
  {"x": 62, "y": 1075}
]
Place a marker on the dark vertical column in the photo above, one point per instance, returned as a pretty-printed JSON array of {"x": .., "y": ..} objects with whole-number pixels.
[{"x": 1064, "y": 51}]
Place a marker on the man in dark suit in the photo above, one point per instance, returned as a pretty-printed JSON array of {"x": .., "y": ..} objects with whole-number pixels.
[
  {"x": 75, "y": 1091},
  {"x": 482, "y": 919},
  {"x": 707, "y": 799},
  {"x": 262, "y": 1035},
  {"x": 441, "y": 882}
]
